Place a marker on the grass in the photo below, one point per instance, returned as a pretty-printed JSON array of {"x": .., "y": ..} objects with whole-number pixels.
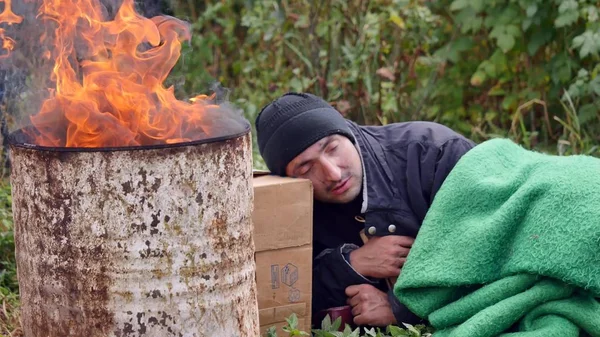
[
  {"x": 9, "y": 287},
  {"x": 9, "y": 314}
]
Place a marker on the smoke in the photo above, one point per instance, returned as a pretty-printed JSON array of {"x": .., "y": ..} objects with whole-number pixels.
[
  {"x": 24, "y": 74},
  {"x": 27, "y": 84}
]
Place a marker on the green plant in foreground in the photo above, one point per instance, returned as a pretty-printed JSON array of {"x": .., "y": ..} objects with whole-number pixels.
[
  {"x": 330, "y": 329},
  {"x": 10, "y": 324},
  {"x": 9, "y": 287},
  {"x": 8, "y": 278}
]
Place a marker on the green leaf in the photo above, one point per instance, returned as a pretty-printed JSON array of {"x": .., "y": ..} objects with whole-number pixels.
[
  {"x": 477, "y": 5},
  {"x": 506, "y": 42},
  {"x": 513, "y": 30},
  {"x": 538, "y": 39},
  {"x": 564, "y": 20},
  {"x": 397, "y": 20},
  {"x": 469, "y": 20},
  {"x": 595, "y": 85},
  {"x": 587, "y": 113},
  {"x": 531, "y": 10},
  {"x": 497, "y": 91},
  {"x": 587, "y": 43},
  {"x": 490, "y": 116},
  {"x": 326, "y": 323},
  {"x": 583, "y": 74},
  {"x": 567, "y": 6},
  {"x": 296, "y": 84},
  {"x": 568, "y": 13},
  {"x": 474, "y": 24},
  {"x": 505, "y": 36},
  {"x": 370, "y": 332},
  {"x": 272, "y": 332},
  {"x": 510, "y": 102},
  {"x": 336, "y": 324},
  {"x": 349, "y": 333},
  {"x": 292, "y": 321},
  {"x": 458, "y": 5},
  {"x": 414, "y": 332},
  {"x": 561, "y": 69},
  {"x": 453, "y": 49},
  {"x": 526, "y": 24},
  {"x": 397, "y": 331},
  {"x": 302, "y": 21},
  {"x": 462, "y": 43},
  {"x": 299, "y": 54},
  {"x": 592, "y": 13},
  {"x": 506, "y": 15},
  {"x": 499, "y": 62}
]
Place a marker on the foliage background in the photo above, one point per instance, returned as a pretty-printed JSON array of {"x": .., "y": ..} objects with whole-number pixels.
[{"x": 523, "y": 69}]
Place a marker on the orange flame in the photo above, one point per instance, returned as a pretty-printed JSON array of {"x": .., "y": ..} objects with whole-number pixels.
[
  {"x": 109, "y": 80},
  {"x": 7, "y": 16}
]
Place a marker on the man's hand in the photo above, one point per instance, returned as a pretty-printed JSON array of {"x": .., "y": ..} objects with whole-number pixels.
[
  {"x": 370, "y": 306},
  {"x": 381, "y": 257}
]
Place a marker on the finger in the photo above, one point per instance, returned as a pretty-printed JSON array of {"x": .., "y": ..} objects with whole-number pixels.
[
  {"x": 401, "y": 263},
  {"x": 354, "y": 301},
  {"x": 356, "y": 311},
  {"x": 351, "y": 291},
  {"x": 403, "y": 252},
  {"x": 392, "y": 272},
  {"x": 404, "y": 241},
  {"x": 360, "y": 320}
]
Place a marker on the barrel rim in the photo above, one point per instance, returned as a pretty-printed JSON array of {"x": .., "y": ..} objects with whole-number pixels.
[{"x": 14, "y": 140}]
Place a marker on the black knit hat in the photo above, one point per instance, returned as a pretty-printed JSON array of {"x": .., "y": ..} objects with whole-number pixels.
[{"x": 291, "y": 124}]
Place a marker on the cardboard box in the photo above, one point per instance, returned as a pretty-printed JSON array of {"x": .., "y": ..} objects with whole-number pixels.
[{"x": 283, "y": 209}]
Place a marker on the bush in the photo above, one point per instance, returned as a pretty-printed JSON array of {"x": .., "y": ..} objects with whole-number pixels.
[{"x": 522, "y": 69}]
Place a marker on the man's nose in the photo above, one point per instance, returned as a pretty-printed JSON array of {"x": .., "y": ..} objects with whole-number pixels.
[{"x": 331, "y": 171}]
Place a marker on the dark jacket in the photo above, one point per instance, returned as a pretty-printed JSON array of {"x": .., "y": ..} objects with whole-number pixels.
[{"x": 405, "y": 164}]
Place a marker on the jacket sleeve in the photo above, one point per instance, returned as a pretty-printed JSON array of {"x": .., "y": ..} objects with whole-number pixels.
[
  {"x": 427, "y": 168},
  {"x": 448, "y": 155},
  {"x": 401, "y": 312},
  {"x": 332, "y": 274}
]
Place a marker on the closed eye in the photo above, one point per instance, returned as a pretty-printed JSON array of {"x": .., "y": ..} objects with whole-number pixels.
[
  {"x": 332, "y": 148},
  {"x": 304, "y": 169}
]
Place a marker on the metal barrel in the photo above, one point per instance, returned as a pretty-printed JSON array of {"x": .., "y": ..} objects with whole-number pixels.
[{"x": 148, "y": 241}]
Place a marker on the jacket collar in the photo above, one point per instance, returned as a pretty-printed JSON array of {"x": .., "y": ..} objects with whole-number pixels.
[{"x": 377, "y": 176}]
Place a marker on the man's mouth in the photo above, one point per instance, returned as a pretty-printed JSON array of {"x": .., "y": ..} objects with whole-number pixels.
[{"x": 341, "y": 187}]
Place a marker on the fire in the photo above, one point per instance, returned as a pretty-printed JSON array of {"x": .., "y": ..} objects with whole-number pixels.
[
  {"x": 109, "y": 76},
  {"x": 7, "y": 16}
]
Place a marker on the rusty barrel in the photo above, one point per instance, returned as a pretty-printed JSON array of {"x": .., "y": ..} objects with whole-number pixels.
[{"x": 143, "y": 241}]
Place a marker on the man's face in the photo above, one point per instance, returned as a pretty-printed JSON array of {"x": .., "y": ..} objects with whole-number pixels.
[{"x": 334, "y": 167}]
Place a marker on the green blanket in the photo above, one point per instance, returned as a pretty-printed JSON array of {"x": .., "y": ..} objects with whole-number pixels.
[{"x": 510, "y": 247}]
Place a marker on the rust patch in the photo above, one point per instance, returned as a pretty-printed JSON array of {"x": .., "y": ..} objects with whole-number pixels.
[
  {"x": 151, "y": 252},
  {"x": 154, "y": 223},
  {"x": 127, "y": 187},
  {"x": 126, "y": 295},
  {"x": 157, "y": 184},
  {"x": 154, "y": 294}
]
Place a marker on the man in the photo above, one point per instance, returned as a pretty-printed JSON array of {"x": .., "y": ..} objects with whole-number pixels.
[{"x": 378, "y": 178}]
